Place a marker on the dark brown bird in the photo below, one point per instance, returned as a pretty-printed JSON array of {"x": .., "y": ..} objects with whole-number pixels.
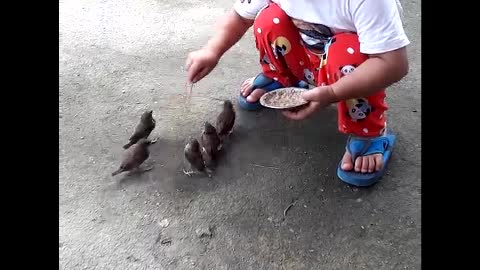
[
  {"x": 226, "y": 119},
  {"x": 134, "y": 157},
  {"x": 210, "y": 144},
  {"x": 193, "y": 155},
  {"x": 143, "y": 129}
]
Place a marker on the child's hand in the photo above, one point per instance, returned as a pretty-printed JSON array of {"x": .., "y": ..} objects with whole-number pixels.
[
  {"x": 319, "y": 98},
  {"x": 200, "y": 63}
]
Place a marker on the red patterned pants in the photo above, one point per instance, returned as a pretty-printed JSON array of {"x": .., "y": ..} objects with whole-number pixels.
[{"x": 284, "y": 58}]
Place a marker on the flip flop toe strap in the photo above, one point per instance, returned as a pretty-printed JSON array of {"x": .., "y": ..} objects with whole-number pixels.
[{"x": 366, "y": 146}]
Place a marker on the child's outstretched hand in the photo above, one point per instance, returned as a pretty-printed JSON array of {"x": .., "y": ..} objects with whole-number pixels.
[{"x": 200, "y": 63}]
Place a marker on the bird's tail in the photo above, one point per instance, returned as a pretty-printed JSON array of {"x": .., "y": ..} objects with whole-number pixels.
[
  {"x": 126, "y": 146},
  {"x": 120, "y": 170}
]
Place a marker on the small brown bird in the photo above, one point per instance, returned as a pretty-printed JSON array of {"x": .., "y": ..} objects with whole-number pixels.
[
  {"x": 210, "y": 144},
  {"x": 143, "y": 129},
  {"x": 226, "y": 119},
  {"x": 193, "y": 155},
  {"x": 134, "y": 157}
]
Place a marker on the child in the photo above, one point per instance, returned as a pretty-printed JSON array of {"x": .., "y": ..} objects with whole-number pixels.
[{"x": 349, "y": 50}]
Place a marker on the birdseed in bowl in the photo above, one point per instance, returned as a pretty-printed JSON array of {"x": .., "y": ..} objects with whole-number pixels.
[{"x": 283, "y": 98}]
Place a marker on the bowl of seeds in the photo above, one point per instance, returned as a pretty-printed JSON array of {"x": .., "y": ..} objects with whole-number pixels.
[{"x": 284, "y": 98}]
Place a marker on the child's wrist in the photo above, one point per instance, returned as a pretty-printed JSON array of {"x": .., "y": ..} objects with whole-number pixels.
[
  {"x": 215, "y": 50},
  {"x": 333, "y": 94}
]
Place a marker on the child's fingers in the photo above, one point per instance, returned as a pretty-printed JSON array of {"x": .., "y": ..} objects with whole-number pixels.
[
  {"x": 189, "y": 60},
  {"x": 200, "y": 74},
  {"x": 311, "y": 95},
  {"x": 302, "y": 113},
  {"x": 188, "y": 63},
  {"x": 193, "y": 71}
]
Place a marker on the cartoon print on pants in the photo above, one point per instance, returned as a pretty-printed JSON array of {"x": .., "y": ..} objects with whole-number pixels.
[
  {"x": 344, "y": 70},
  {"x": 358, "y": 109},
  {"x": 265, "y": 60},
  {"x": 309, "y": 76},
  {"x": 281, "y": 45}
]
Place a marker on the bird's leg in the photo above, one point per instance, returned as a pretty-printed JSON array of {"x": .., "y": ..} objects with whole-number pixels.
[
  {"x": 208, "y": 172},
  {"x": 149, "y": 168},
  {"x": 189, "y": 173},
  {"x": 141, "y": 169},
  {"x": 133, "y": 171}
]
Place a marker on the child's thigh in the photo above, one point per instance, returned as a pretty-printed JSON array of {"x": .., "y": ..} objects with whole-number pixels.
[
  {"x": 343, "y": 56},
  {"x": 282, "y": 54},
  {"x": 360, "y": 116}
]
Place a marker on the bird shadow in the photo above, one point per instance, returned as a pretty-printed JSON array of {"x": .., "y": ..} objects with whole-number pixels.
[
  {"x": 260, "y": 140},
  {"x": 167, "y": 159}
]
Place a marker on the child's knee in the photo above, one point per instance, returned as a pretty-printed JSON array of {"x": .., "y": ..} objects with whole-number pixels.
[
  {"x": 343, "y": 56},
  {"x": 363, "y": 116},
  {"x": 271, "y": 18}
]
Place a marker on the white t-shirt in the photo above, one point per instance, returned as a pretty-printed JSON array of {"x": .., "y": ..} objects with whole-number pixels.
[{"x": 377, "y": 23}]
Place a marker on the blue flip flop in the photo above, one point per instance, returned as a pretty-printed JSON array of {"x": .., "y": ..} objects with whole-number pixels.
[
  {"x": 362, "y": 147},
  {"x": 267, "y": 84}
]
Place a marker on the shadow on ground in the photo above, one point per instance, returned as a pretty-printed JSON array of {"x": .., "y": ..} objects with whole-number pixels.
[
  {"x": 263, "y": 143},
  {"x": 118, "y": 58}
]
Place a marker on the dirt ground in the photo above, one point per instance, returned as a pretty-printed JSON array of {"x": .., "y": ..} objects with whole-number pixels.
[{"x": 119, "y": 58}]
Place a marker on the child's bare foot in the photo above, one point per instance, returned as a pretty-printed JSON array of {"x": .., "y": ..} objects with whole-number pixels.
[
  {"x": 246, "y": 91},
  {"x": 372, "y": 156},
  {"x": 364, "y": 164}
]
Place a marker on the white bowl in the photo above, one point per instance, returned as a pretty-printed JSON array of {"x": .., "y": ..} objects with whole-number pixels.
[{"x": 264, "y": 100}]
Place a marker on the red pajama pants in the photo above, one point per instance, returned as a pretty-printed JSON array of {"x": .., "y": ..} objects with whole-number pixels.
[{"x": 284, "y": 58}]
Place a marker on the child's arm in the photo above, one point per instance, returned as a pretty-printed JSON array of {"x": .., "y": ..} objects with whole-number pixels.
[
  {"x": 376, "y": 73},
  {"x": 229, "y": 30},
  {"x": 382, "y": 38}
]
